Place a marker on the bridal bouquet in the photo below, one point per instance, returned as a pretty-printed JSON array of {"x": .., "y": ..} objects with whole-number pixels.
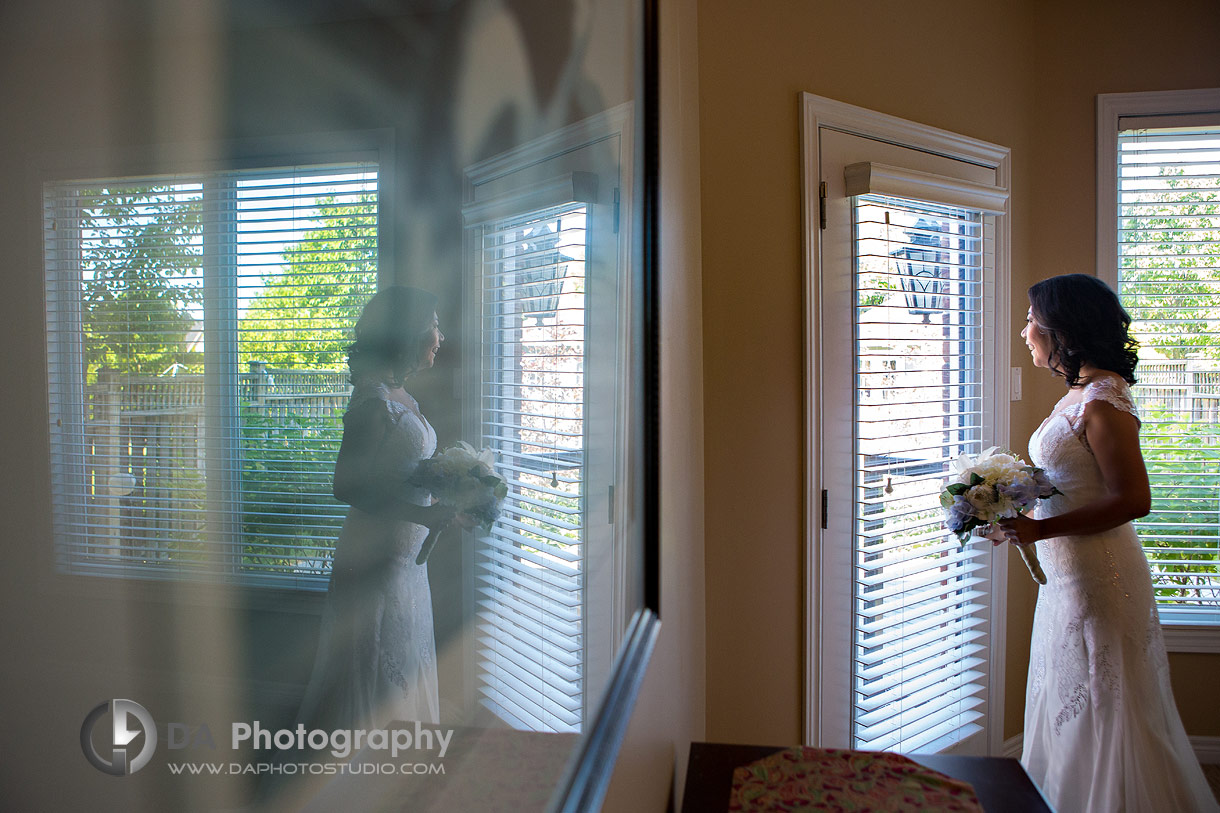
[
  {"x": 464, "y": 479},
  {"x": 994, "y": 485}
]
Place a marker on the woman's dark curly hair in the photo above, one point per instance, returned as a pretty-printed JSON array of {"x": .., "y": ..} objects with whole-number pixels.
[
  {"x": 1086, "y": 324},
  {"x": 391, "y": 332}
]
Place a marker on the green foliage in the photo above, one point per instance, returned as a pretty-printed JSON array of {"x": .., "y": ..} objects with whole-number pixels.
[
  {"x": 560, "y": 519},
  {"x": 867, "y": 295},
  {"x": 1170, "y": 267},
  {"x": 287, "y": 511},
  {"x": 142, "y": 257},
  {"x": 141, "y": 252},
  {"x": 1182, "y": 534},
  {"x": 305, "y": 312}
]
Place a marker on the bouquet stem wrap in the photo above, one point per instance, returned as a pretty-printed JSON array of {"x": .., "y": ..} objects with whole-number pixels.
[
  {"x": 1029, "y": 553},
  {"x": 430, "y": 543}
]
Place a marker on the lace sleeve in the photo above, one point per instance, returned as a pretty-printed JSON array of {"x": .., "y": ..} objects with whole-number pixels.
[
  {"x": 1114, "y": 392},
  {"x": 365, "y": 396}
]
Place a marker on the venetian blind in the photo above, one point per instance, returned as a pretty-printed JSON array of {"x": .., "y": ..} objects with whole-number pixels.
[
  {"x": 196, "y": 334},
  {"x": 1168, "y": 212},
  {"x": 530, "y": 570},
  {"x": 920, "y": 607}
]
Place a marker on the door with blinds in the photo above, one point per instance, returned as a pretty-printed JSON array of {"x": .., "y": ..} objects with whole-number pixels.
[
  {"x": 907, "y": 360},
  {"x": 544, "y": 254}
]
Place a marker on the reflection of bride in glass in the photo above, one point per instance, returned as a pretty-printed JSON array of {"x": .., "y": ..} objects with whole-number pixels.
[{"x": 376, "y": 659}]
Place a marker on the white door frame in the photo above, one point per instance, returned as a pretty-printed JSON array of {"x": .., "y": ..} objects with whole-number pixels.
[{"x": 818, "y": 112}]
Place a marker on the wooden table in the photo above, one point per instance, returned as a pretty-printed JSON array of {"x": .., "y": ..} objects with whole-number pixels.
[{"x": 1000, "y": 783}]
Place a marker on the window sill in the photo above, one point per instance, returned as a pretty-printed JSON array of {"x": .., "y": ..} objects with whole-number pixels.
[
  {"x": 238, "y": 596},
  {"x": 1190, "y": 634}
]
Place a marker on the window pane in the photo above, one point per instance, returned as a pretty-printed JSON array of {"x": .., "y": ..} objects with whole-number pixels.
[
  {"x": 920, "y": 626},
  {"x": 1169, "y": 281},
  {"x": 125, "y": 278},
  {"x": 196, "y": 335},
  {"x": 531, "y": 568},
  {"x": 306, "y": 251}
]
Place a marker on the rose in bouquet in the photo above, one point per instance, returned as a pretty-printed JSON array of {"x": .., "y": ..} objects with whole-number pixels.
[
  {"x": 994, "y": 485},
  {"x": 465, "y": 480}
]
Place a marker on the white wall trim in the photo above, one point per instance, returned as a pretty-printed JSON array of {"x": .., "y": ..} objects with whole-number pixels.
[
  {"x": 811, "y": 217},
  {"x": 871, "y": 124},
  {"x": 1206, "y": 748},
  {"x": 820, "y": 112},
  {"x": 1190, "y": 637},
  {"x": 1110, "y": 107}
]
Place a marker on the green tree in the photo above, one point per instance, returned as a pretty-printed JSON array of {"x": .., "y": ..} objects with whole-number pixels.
[
  {"x": 304, "y": 314},
  {"x": 1170, "y": 269},
  {"x": 1170, "y": 266},
  {"x": 141, "y": 255},
  {"x": 302, "y": 318}
]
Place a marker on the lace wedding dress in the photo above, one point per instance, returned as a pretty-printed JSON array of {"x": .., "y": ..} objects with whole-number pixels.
[
  {"x": 376, "y": 659},
  {"x": 1102, "y": 733}
]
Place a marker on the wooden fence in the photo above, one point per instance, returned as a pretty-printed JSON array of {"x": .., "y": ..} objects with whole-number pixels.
[
  {"x": 146, "y": 449},
  {"x": 1182, "y": 388}
]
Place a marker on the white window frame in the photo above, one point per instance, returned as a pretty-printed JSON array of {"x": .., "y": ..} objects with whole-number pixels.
[
  {"x": 822, "y": 564},
  {"x": 1181, "y": 635},
  {"x": 373, "y": 146}
]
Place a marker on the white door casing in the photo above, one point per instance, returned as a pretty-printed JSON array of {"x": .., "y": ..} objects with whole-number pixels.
[{"x": 836, "y": 136}]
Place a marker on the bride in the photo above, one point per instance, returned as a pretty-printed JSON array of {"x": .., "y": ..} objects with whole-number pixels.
[
  {"x": 376, "y": 659},
  {"x": 1102, "y": 732}
]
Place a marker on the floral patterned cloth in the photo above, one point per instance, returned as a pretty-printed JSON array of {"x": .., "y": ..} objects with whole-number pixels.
[{"x": 803, "y": 778}]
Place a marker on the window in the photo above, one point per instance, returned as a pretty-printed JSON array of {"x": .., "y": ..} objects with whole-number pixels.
[
  {"x": 547, "y": 272},
  {"x": 196, "y": 332},
  {"x": 920, "y": 611},
  {"x": 1163, "y": 218},
  {"x": 531, "y": 567},
  {"x": 906, "y": 340}
]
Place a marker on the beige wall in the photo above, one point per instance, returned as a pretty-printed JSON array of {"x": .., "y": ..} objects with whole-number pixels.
[
  {"x": 913, "y": 61},
  {"x": 1023, "y": 75}
]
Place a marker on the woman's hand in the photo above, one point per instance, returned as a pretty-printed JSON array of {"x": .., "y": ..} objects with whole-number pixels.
[
  {"x": 436, "y": 517},
  {"x": 1020, "y": 530},
  {"x": 993, "y": 532}
]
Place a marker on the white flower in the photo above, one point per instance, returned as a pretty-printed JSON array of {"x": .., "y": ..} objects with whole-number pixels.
[
  {"x": 962, "y": 466},
  {"x": 983, "y": 498}
]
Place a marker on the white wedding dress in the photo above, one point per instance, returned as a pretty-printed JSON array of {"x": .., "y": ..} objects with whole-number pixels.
[
  {"x": 376, "y": 659},
  {"x": 1102, "y": 733}
]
